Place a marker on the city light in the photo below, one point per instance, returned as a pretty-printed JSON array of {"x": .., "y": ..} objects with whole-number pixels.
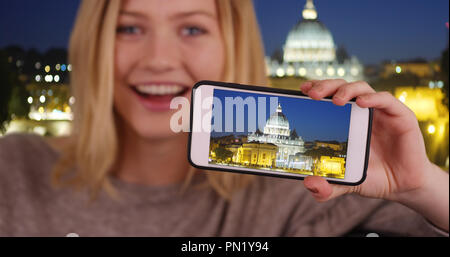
[
  {"x": 47, "y": 68},
  {"x": 38, "y": 78},
  {"x": 56, "y": 78},
  {"x": 69, "y": 67},
  {"x": 431, "y": 129},
  {"x": 290, "y": 71},
  {"x": 71, "y": 100},
  {"x": 398, "y": 69},
  {"x": 42, "y": 99},
  {"x": 48, "y": 78},
  {"x": 37, "y": 65},
  {"x": 436, "y": 84},
  {"x": 63, "y": 67},
  {"x": 319, "y": 72},
  {"x": 39, "y": 130},
  {"x": 330, "y": 71},
  {"x": 30, "y": 100},
  {"x": 55, "y": 115},
  {"x": 441, "y": 129},
  {"x": 58, "y": 67},
  {"x": 280, "y": 72},
  {"x": 402, "y": 97},
  {"x": 341, "y": 72},
  {"x": 302, "y": 72}
]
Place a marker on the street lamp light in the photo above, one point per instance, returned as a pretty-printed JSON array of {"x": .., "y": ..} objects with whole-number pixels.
[{"x": 431, "y": 129}]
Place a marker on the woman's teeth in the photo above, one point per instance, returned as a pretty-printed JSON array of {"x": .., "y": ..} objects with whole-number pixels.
[{"x": 159, "y": 89}]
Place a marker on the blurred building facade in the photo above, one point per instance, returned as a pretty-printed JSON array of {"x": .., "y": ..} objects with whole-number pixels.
[
  {"x": 419, "y": 67},
  {"x": 432, "y": 115}
]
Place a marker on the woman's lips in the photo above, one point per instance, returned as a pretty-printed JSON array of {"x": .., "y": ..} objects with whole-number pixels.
[{"x": 157, "y": 97}]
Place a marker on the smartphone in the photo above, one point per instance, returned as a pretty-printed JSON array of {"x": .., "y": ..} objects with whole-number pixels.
[{"x": 277, "y": 132}]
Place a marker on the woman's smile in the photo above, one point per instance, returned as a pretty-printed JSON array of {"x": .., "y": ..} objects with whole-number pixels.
[{"x": 156, "y": 96}]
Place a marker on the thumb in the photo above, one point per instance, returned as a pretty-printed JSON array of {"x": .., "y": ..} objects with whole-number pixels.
[{"x": 323, "y": 191}]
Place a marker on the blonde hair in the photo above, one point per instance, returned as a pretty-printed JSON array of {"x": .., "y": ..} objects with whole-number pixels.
[{"x": 93, "y": 145}]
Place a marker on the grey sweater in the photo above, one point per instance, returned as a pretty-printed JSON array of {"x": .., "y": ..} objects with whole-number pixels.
[{"x": 30, "y": 206}]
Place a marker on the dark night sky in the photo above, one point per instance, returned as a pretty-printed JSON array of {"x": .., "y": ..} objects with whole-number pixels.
[
  {"x": 313, "y": 120},
  {"x": 373, "y": 30}
]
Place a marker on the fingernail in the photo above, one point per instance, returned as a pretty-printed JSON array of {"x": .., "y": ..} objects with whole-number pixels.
[{"x": 313, "y": 190}]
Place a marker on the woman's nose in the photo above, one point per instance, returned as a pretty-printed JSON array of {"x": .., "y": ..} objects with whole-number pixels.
[{"x": 161, "y": 53}]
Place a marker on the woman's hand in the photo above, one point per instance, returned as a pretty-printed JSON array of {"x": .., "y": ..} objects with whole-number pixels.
[{"x": 399, "y": 168}]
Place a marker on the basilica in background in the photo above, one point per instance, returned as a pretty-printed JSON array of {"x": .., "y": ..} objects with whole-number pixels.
[{"x": 310, "y": 52}]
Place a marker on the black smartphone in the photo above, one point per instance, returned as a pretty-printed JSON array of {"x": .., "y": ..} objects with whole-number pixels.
[{"x": 276, "y": 132}]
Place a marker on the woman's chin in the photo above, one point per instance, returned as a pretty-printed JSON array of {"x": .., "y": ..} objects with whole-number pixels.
[{"x": 156, "y": 133}]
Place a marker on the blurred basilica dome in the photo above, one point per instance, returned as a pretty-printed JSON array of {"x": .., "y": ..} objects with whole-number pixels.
[
  {"x": 309, "y": 40},
  {"x": 310, "y": 52}
]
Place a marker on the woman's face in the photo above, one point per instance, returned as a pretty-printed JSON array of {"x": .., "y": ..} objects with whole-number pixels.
[{"x": 162, "y": 48}]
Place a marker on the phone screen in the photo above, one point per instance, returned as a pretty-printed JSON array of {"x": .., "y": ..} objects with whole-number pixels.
[{"x": 279, "y": 133}]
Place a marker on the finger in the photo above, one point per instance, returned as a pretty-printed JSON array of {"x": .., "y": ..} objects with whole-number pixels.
[
  {"x": 306, "y": 86},
  {"x": 323, "y": 88},
  {"x": 351, "y": 90},
  {"x": 383, "y": 101},
  {"x": 323, "y": 191}
]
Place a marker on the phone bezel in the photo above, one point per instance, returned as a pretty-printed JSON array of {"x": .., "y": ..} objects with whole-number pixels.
[{"x": 286, "y": 92}]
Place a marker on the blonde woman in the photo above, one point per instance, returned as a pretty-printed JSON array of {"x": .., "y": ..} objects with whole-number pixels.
[{"x": 123, "y": 172}]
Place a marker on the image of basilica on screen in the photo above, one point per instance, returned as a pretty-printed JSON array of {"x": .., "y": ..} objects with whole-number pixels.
[{"x": 278, "y": 147}]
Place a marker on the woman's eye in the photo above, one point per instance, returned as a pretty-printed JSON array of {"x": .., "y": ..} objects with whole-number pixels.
[
  {"x": 128, "y": 30},
  {"x": 192, "y": 31}
]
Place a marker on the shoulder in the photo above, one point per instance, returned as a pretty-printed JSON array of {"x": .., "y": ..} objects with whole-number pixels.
[
  {"x": 20, "y": 147},
  {"x": 23, "y": 156},
  {"x": 16, "y": 139}
]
